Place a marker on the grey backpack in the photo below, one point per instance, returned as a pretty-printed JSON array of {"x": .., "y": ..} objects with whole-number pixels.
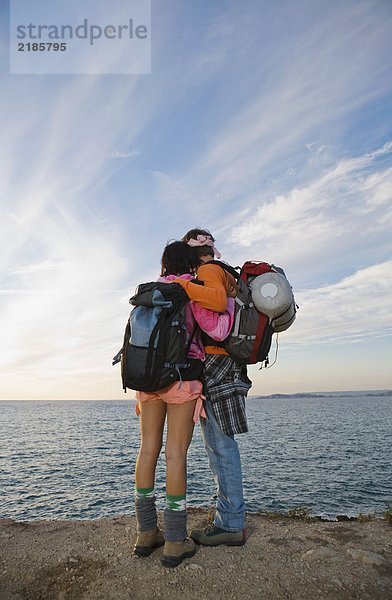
[{"x": 250, "y": 339}]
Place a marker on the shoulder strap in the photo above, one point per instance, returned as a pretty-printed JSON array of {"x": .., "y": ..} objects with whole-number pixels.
[{"x": 225, "y": 267}]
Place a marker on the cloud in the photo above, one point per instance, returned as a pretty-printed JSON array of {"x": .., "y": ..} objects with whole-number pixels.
[
  {"x": 333, "y": 219},
  {"x": 60, "y": 260},
  {"x": 62, "y": 325},
  {"x": 281, "y": 122},
  {"x": 305, "y": 90},
  {"x": 31, "y": 269},
  {"x": 124, "y": 154},
  {"x": 353, "y": 310}
]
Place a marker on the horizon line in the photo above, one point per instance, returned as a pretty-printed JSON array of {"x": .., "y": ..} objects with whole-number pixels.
[{"x": 386, "y": 391}]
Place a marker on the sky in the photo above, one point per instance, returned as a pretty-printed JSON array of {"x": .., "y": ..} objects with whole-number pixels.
[{"x": 269, "y": 123}]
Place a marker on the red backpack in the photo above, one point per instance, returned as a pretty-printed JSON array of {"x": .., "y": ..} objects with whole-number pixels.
[{"x": 250, "y": 339}]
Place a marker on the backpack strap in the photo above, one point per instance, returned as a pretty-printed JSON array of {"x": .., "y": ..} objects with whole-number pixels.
[
  {"x": 226, "y": 267},
  {"x": 188, "y": 346},
  {"x": 116, "y": 359}
]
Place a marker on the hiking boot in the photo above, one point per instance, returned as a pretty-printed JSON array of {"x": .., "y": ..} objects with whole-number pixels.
[
  {"x": 214, "y": 536},
  {"x": 175, "y": 552},
  {"x": 147, "y": 541}
]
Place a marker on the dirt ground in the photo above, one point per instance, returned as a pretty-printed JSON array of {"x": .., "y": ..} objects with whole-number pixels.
[{"x": 290, "y": 559}]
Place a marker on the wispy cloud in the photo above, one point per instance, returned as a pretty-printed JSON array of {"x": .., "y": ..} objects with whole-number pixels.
[
  {"x": 352, "y": 310},
  {"x": 300, "y": 95},
  {"x": 124, "y": 154},
  {"x": 338, "y": 221},
  {"x": 60, "y": 260},
  {"x": 30, "y": 269}
]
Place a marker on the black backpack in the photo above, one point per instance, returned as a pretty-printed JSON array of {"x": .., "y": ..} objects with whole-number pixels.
[{"x": 156, "y": 344}]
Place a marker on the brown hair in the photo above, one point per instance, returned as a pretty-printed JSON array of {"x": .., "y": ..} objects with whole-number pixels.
[{"x": 201, "y": 250}]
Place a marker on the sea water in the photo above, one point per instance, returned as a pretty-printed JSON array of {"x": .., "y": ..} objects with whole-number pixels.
[{"x": 76, "y": 459}]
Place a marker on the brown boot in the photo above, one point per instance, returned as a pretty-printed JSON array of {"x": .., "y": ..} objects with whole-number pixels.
[
  {"x": 175, "y": 552},
  {"x": 147, "y": 541}
]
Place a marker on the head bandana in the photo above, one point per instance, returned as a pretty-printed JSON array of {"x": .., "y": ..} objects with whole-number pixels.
[{"x": 204, "y": 240}]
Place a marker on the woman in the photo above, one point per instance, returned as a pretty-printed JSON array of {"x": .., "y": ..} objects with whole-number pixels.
[{"x": 181, "y": 403}]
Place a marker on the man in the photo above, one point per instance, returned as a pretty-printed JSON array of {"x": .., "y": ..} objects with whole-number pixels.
[{"x": 227, "y": 385}]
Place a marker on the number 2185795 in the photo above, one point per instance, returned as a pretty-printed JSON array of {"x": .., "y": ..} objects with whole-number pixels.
[{"x": 42, "y": 46}]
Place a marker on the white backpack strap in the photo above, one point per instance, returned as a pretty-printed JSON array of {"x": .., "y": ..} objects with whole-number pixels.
[{"x": 236, "y": 328}]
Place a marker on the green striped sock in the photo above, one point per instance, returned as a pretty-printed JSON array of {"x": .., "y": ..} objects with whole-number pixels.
[
  {"x": 176, "y": 502},
  {"x": 144, "y": 492}
]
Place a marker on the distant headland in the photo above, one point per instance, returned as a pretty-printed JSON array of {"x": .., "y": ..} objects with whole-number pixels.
[{"x": 367, "y": 393}]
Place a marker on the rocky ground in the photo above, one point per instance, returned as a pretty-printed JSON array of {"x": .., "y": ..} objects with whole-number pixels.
[{"x": 283, "y": 558}]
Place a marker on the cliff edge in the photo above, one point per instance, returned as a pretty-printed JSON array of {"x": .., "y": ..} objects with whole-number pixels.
[{"x": 282, "y": 559}]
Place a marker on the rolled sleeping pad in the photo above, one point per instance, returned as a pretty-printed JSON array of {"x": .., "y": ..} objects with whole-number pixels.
[{"x": 273, "y": 296}]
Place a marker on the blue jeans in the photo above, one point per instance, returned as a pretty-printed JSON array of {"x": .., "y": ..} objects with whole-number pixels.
[{"x": 225, "y": 464}]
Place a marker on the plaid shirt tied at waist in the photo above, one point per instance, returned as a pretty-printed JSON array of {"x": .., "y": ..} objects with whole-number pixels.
[{"x": 227, "y": 385}]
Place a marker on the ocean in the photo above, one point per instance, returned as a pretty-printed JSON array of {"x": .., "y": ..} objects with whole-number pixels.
[{"x": 76, "y": 459}]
